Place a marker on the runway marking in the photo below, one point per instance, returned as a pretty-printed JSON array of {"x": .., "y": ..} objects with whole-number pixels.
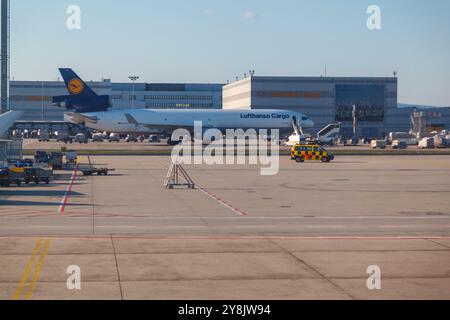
[
  {"x": 27, "y": 271},
  {"x": 29, "y": 268},
  {"x": 37, "y": 271},
  {"x": 32, "y": 214},
  {"x": 222, "y": 202},
  {"x": 65, "y": 199},
  {"x": 230, "y": 237}
]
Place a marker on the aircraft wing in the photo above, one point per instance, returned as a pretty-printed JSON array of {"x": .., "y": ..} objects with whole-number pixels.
[
  {"x": 79, "y": 118},
  {"x": 132, "y": 120},
  {"x": 8, "y": 119}
]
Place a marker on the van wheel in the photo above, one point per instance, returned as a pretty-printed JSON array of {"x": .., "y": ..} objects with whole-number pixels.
[
  {"x": 299, "y": 160},
  {"x": 325, "y": 159}
]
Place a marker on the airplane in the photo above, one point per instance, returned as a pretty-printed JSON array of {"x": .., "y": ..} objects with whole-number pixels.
[
  {"x": 82, "y": 98},
  {"x": 86, "y": 107},
  {"x": 7, "y": 120}
]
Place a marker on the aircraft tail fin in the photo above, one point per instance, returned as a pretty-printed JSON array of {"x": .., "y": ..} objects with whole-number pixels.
[
  {"x": 81, "y": 98},
  {"x": 75, "y": 85}
]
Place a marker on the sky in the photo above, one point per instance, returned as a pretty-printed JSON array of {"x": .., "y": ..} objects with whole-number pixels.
[{"x": 214, "y": 41}]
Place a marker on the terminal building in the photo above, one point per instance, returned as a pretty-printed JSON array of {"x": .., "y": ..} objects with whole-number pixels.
[{"x": 324, "y": 99}]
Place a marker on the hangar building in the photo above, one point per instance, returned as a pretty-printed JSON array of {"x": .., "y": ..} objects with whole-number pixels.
[{"x": 325, "y": 100}]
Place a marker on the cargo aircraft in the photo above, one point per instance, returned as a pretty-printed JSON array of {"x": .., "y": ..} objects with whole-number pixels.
[{"x": 86, "y": 107}]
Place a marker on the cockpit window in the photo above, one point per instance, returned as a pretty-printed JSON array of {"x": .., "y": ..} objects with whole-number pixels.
[{"x": 304, "y": 118}]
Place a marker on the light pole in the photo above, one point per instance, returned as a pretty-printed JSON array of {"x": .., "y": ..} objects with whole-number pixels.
[
  {"x": 355, "y": 120},
  {"x": 42, "y": 101},
  {"x": 134, "y": 79},
  {"x": 42, "y": 110}
]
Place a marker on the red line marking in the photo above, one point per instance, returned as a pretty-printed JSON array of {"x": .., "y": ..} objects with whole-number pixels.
[
  {"x": 65, "y": 199},
  {"x": 224, "y": 237},
  {"x": 222, "y": 202}
]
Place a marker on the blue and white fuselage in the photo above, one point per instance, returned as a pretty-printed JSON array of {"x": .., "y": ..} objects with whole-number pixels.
[
  {"x": 157, "y": 121},
  {"x": 86, "y": 107}
]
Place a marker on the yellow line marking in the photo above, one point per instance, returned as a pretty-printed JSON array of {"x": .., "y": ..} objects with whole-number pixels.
[
  {"x": 37, "y": 271},
  {"x": 27, "y": 271}
]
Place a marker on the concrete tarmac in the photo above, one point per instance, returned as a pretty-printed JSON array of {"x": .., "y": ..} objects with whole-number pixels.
[{"x": 310, "y": 232}]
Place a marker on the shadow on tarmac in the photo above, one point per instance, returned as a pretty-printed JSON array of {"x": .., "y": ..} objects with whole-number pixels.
[
  {"x": 38, "y": 193},
  {"x": 14, "y": 203}
]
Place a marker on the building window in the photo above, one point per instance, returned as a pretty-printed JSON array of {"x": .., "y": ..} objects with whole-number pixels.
[
  {"x": 177, "y": 97},
  {"x": 163, "y": 105}
]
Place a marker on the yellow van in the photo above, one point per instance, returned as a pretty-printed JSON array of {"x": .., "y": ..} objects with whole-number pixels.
[{"x": 302, "y": 152}]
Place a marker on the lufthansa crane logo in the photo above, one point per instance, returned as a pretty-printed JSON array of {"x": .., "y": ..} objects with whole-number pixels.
[{"x": 75, "y": 86}]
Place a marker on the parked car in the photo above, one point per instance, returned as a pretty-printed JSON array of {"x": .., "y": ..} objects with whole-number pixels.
[
  {"x": 98, "y": 137},
  {"x": 154, "y": 139},
  {"x": 398, "y": 144},
  {"x": 131, "y": 138},
  {"x": 352, "y": 142},
  {"x": 44, "y": 137},
  {"x": 114, "y": 137},
  {"x": 378, "y": 144},
  {"x": 81, "y": 138},
  {"x": 66, "y": 139}
]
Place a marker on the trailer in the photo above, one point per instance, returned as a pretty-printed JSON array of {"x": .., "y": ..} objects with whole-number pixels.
[
  {"x": 11, "y": 175},
  {"x": 91, "y": 170},
  {"x": 98, "y": 171},
  {"x": 38, "y": 175}
]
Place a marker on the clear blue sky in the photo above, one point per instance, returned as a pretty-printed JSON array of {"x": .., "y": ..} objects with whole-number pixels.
[{"x": 215, "y": 40}]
